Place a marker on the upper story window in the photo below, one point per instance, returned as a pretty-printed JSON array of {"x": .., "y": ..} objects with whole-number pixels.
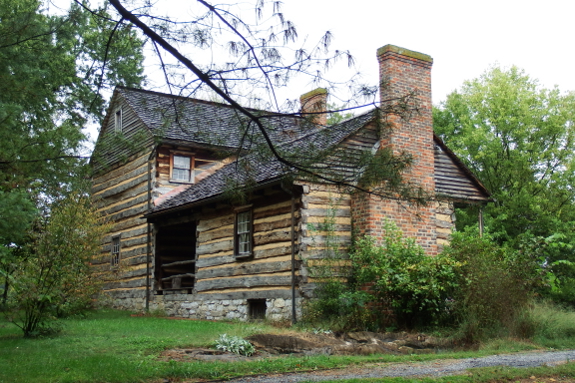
[
  {"x": 182, "y": 168},
  {"x": 243, "y": 236},
  {"x": 118, "y": 121},
  {"x": 187, "y": 167}
]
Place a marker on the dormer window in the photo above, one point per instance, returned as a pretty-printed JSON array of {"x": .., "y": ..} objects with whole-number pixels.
[
  {"x": 182, "y": 168},
  {"x": 188, "y": 168},
  {"x": 118, "y": 121}
]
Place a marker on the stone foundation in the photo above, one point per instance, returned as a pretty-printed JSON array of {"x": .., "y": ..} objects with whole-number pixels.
[{"x": 205, "y": 307}]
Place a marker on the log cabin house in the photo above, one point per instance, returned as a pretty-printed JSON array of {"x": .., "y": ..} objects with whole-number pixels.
[{"x": 167, "y": 171}]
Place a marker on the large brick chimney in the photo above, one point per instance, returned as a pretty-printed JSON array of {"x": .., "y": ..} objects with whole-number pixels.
[
  {"x": 404, "y": 73},
  {"x": 314, "y": 106}
]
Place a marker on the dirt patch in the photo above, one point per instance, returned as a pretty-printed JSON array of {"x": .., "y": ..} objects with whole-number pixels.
[{"x": 353, "y": 343}]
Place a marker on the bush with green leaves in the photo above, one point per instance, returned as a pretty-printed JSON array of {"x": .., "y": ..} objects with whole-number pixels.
[
  {"x": 55, "y": 277},
  {"x": 552, "y": 271},
  {"x": 495, "y": 287},
  {"x": 417, "y": 288},
  {"x": 235, "y": 344},
  {"x": 394, "y": 284},
  {"x": 340, "y": 307}
]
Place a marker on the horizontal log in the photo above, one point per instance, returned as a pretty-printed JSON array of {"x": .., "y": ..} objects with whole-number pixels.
[
  {"x": 210, "y": 235},
  {"x": 318, "y": 240},
  {"x": 129, "y": 202},
  {"x": 247, "y": 282},
  {"x": 267, "y": 226},
  {"x": 272, "y": 237},
  {"x": 327, "y": 201},
  {"x": 134, "y": 273},
  {"x": 127, "y": 224},
  {"x": 268, "y": 252},
  {"x": 125, "y": 284},
  {"x": 135, "y": 212},
  {"x": 245, "y": 268},
  {"x": 225, "y": 245},
  {"x": 140, "y": 180},
  {"x": 215, "y": 261},
  {"x": 271, "y": 211},
  {"x": 142, "y": 189},
  {"x": 133, "y": 163},
  {"x": 133, "y": 242},
  {"x": 215, "y": 223},
  {"x": 128, "y": 174}
]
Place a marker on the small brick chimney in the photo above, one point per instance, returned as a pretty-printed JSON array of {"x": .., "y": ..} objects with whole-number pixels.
[
  {"x": 404, "y": 73},
  {"x": 314, "y": 106}
]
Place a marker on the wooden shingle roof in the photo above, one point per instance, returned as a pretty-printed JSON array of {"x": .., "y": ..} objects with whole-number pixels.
[
  {"x": 197, "y": 123},
  {"x": 260, "y": 169}
]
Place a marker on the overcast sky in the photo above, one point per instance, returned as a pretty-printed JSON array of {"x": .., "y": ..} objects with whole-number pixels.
[{"x": 463, "y": 37}]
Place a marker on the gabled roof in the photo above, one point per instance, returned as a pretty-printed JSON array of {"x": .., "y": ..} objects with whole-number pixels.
[
  {"x": 262, "y": 168},
  {"x": 185, "y": 119},
  {"x": 162, "y": 118},
  {"x": 453, "y": 179}
]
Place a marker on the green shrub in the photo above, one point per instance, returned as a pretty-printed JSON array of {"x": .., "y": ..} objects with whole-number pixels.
[
  {"x": 55, "y": 278},
  {"x": 392, "y": 285},
  {"x": 494, "y": 289},
  {"x": 552, "y": 273},
  {"x": 401, "y": 277},
  {"x": 338, "y": 306}
]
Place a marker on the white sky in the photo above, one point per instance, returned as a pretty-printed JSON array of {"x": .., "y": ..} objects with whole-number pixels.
[{"x": 463, "y": 37}]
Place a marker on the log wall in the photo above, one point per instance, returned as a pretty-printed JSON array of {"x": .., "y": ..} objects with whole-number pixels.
[
  {"x": 120, "y": 191},
  {"x": 325, "y": 234},
  {"x": 218, "y": 270}
]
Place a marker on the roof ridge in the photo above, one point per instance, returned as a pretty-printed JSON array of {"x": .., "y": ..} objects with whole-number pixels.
[{"x": 207, "y": 102}]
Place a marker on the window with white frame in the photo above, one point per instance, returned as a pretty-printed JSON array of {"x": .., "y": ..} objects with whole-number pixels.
[
  {"x": 243, "y": 236},
  {"x": 186, "y": 167},
  {"x": 182, "y": 168}
]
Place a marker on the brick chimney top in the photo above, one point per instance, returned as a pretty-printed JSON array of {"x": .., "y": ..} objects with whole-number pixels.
[
  {"x": 314, "y": 105},
  {"x": 404, "y": 52}
]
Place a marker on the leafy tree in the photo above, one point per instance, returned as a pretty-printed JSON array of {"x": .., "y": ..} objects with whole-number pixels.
[
  {"x": 16, "y": 214},
  {"x": 340, "y": 114},
  {"x": 52, "y": 72},
  {"x": 55, "y": 276},
  {"x": 519, "y": 139}
]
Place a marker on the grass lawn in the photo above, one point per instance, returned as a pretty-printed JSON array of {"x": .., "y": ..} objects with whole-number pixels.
[{"x": 112, "y": 346}]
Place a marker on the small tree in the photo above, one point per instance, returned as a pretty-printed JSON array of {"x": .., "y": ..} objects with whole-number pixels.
[{"x": 56, "y": 278}]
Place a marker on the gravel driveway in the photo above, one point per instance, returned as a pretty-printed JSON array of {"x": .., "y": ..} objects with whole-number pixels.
[{"x": 430, "y": 368}]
